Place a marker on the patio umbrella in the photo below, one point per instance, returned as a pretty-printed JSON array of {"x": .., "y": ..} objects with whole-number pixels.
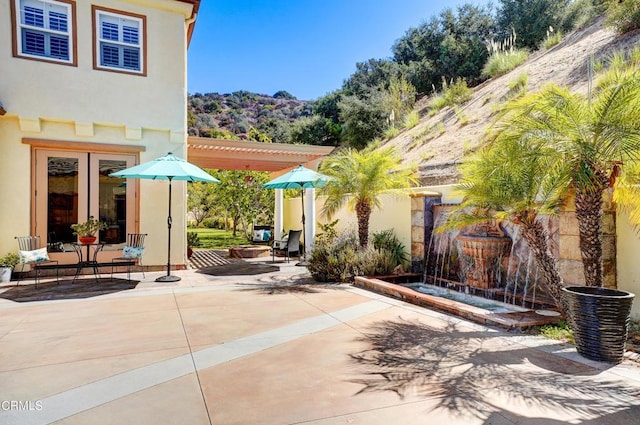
[
  {"x": 299, "y": 178},
  {"x": 168, "y": 167}
]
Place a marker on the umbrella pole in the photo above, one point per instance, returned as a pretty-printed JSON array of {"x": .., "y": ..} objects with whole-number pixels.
[
  {"x": 168, "y": 277},
  {"x": 303, "y": 259}
]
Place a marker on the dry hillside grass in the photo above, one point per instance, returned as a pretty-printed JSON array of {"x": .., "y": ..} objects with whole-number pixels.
[{"x": 440, "y": 141}]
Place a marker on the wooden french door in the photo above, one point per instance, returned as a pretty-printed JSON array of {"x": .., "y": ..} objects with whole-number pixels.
[{"x": 72, "y": 186}]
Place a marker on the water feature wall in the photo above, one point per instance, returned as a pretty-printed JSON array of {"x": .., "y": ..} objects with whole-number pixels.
[
  {"x": 507, "y": 272},
  {"x": 438, "y": 255}
]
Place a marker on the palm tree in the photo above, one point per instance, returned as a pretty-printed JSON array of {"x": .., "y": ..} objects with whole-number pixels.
[
  {"x": 360, "y": 177},
  {"x": 594, "y": 136},
  {"x": 510, "y": 179}
]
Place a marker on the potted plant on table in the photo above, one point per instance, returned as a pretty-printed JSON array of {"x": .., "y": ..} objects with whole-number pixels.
[
  {"x": 7, "y": 263},
  {"x": 87, "y": 230}
]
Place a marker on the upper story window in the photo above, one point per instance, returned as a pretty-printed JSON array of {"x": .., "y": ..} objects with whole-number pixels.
[
  {"x": 44, "y": 30},
  {"x": 120, "y": 41}
]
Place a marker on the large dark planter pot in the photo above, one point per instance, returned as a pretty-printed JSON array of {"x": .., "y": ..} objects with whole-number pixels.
[{"x": 601, "y": 321}]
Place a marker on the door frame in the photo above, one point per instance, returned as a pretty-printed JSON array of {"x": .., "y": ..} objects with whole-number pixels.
[{"x": 68, "y": 147}]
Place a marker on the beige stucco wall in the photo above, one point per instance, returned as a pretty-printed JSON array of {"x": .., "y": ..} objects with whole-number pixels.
[
  {"x": 394, "y": 214},
  {"x": 628, "y": 260},
  {"x": 79, "y": 104}
]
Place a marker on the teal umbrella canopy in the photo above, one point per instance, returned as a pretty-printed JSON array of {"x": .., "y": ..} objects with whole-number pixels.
[
  {"x": 298, "y": 178},
  {"x": 168, "y": 167}
]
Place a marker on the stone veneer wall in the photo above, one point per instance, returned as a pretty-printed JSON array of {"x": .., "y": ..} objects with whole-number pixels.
[
  {"x": 570, "y": 261},
  {"x": 421, "y": 226}
]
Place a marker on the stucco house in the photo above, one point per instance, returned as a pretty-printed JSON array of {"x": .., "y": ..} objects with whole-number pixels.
[{"x": 88, "y": 88}]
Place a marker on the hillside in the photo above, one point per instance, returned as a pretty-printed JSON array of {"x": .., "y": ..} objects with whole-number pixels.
[
  {"x": 239, "y": 111},
  {"x": 440, "y": 141}
]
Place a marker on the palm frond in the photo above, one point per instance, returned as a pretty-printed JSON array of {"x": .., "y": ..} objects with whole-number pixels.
[{"x": 627, "y": 192}]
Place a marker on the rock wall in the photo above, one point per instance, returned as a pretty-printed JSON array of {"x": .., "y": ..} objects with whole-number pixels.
[{"x": 570, "y": 260}]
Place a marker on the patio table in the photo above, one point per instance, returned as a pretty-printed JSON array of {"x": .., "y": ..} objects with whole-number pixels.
[{"x": 87, "y": 260}]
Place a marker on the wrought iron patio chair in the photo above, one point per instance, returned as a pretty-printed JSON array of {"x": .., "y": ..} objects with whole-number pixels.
[
  {"x": 32, "y": 252},
  {"x": 131, "y": 252}
]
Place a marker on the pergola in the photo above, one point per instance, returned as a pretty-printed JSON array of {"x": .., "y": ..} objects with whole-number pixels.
[{"x": 277, "y": 158}]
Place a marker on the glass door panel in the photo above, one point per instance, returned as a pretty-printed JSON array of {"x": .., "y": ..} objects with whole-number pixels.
[
  {"x": 60, "y": 195},
  {"x": 62, "y": 199},
  {"x": 114, "y": 203}
]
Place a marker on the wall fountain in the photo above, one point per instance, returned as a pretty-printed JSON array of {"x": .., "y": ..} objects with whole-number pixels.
[
  {"x": 485, "y": 244},
  {"x": 485, "y": 273}
]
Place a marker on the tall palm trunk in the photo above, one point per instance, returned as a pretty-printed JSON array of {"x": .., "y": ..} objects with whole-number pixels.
[
  {"x": 589, "y": 215},
  {"x": 363, "y": 212},
  {"x": 538, "y": 240}
]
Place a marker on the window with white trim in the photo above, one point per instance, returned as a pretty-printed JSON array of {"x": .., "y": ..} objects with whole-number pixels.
[
  {"x": 44, "y": 30},
  {"x": 119, "y": 41}
]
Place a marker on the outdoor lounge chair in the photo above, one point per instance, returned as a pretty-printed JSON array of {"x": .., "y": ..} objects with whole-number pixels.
[{"x": 288, "y": 246}]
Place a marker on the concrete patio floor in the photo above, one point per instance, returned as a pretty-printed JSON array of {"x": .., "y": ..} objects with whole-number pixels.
[{"x": 266, "y": 349}]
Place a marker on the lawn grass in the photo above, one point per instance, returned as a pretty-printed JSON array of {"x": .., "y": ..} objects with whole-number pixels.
[{"x": 217, "y": 238}]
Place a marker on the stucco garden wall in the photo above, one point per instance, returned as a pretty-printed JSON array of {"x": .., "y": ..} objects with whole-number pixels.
[
  {"x": 394, "y": 214},
  {"x": 628, "y": 260}
]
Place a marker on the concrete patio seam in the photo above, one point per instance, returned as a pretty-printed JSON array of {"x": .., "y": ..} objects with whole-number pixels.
[{"x": 186, "y": 336}]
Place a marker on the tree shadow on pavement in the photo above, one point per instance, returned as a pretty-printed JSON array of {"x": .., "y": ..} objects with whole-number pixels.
[
  {"x": 304, "y": 284},
  {"x": 480, "y": 373}
]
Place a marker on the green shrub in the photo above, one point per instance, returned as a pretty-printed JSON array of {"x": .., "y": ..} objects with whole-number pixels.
[
  {"x": 462, "y": 118},
  {"x": 518, "y": 86},
  {"x": 193, "y": 240},
  {"x": 502, "y": 62},
  {"x": 560, "y": 331},
  {"x": 210, "y": 223},
  {"x": 374, "y": 262},
  {"x": 340, "y": 259},
  {"x": 391, "y": 132},
  {"x": 411, "y": 119},
  {"x": 597, "y": 65},
  {"x": 387, "y": 241},
  {"x": 436, "y": 104},
  {"x": 623, "y": 16},
  {"x": 519, "y": 82},
  {"x": 328, "y": 232},
  {"x": 455, "y": 93},
  {"x": 553, "y": 38},
  {"x": 9, "y": 260}
]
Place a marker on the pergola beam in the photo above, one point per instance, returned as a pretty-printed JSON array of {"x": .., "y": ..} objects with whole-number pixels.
[{"x": 248, "y": 155}]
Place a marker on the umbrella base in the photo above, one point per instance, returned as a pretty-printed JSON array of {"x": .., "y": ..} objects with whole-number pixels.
[
  {"x": 302, "y": 263},
  {"x": 168, "y": 278}
]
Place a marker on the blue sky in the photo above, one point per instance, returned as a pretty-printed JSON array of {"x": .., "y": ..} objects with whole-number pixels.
[{"x": 305, "y": 47}]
